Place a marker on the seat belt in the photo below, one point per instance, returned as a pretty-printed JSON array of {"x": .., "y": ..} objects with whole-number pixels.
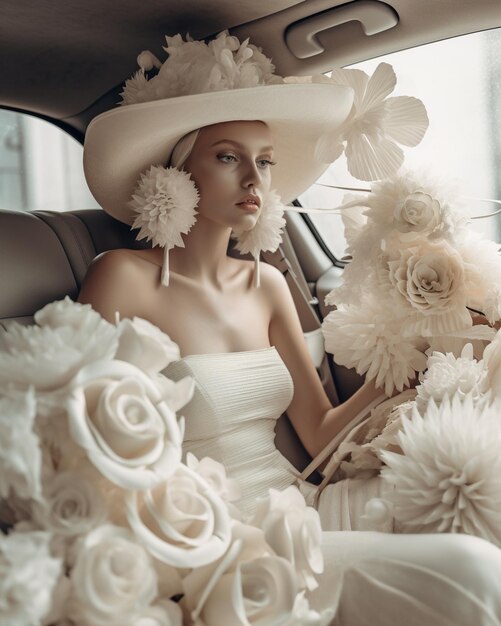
[{"x": 286, "y": 261}]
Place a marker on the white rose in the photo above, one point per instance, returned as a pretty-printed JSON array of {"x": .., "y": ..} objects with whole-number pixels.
[
  {"x": 116, "y": 414},
  {"x": 113, "y": 579},
  {"x": 72, "y": 505},
  {"x": 248, "y": 543},
  {"x": 20, "y": 455},
  {"x": 181, "y": 521},
  {"x": 430, "y": 279},
  {"x": 145, "y": 345},
  {"x": 164, "y": 613},
  {"x": 262, "y": 591},
  {"x": 70, "y": 336},
  {"x": 215, "y": 474},
  {"x": 28, "y": 577},
  {"x": 176, "y": 393},
  {"x": 418, "y": 212},
  {"x": 293, "y": 531}
]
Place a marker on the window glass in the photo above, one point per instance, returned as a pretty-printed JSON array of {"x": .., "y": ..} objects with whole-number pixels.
[
  {"x": 459, "y": 81},
  {"x": 40, "y": 166}
]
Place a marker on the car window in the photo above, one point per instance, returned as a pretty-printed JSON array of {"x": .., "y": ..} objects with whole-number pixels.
[
  {"x": 40, "y": 166},
  {"x": 459, "y": 81}
]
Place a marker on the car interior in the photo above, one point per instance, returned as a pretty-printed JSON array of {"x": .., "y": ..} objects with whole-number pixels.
[{"x": 65, "y": 63}]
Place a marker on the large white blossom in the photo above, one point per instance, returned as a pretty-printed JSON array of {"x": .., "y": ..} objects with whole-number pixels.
[
  {"x": 48, "y": 356},
  {"x": 293, "y": 531},
  {"x": 194, "y": 67},
  {"x": 28, "y": 577},
  {"x": 447, "y": 376},
  {"x": 163, "y": 204},
  {"x": 72, "y": 505},
  {"x": 429, "y": 283},
  {"x": 20, "y": 454},
  {"x": 377, "y": 124},
  {"x": 448, "y": 478},
  {"x": 117, "y": 415},
  {"x": 368, "y": 339},
  {"x": 181, "y": 521},
  {"x": 113, "y": 580}
]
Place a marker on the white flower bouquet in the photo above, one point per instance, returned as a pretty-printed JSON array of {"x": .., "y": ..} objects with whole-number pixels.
[
  {"x": 416, "y": 274},
  {"x": 102, "y": 522}
]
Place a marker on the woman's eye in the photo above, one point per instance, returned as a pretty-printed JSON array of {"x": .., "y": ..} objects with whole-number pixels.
[
  {"x": 227, "y": 158},
  {"x": 263, "y": 163}
]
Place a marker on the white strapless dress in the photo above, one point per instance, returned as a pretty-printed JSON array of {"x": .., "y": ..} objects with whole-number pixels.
[{"x": 371, "y": 578}]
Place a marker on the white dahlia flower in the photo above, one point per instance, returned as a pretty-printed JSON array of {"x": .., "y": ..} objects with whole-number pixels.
[
  {"x": 368, "y": 339},
  {"x": 164, "y": 202},
  {"x": 448, "y": 478},
  {"x": 448, "y": 375}
]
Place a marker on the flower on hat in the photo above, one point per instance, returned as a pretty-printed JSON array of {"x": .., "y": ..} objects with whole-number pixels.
[
  {"x": 377, "y": 124},
  {"x": 194, "y": 67}
]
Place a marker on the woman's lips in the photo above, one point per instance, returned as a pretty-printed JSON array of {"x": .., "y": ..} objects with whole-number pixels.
[{"x": 250, "y": 207}]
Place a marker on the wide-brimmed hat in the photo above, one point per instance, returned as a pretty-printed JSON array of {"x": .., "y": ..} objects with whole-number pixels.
[{"x": 231, "y": 81}]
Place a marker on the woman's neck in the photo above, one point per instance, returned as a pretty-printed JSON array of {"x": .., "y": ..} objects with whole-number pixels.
[{"x": 203, "y": 258}]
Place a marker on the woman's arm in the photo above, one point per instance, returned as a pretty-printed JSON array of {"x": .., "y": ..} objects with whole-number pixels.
[{"x": 311, "y": 413}]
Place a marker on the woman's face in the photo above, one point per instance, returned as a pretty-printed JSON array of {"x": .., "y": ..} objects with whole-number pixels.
[{"x": 231, "y": 166}]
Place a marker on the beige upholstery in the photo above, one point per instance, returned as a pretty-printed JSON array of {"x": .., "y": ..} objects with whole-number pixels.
[{"x": 44, "y": 257}]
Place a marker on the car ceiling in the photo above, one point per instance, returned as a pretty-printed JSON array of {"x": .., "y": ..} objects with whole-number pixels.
[{"x": 67, "y": 60}]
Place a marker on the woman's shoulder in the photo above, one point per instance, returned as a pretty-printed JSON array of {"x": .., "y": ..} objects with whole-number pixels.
[{"x": 117, "y": 280}]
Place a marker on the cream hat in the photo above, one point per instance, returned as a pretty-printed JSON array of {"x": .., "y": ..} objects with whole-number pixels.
[{"x": 202, "y": 84}]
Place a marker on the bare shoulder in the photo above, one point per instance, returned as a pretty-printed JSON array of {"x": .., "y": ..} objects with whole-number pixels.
[
  {"x": 116, "y": 281},
  {"x": 275, "y": 286}
]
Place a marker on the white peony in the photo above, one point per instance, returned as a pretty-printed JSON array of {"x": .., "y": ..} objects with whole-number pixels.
[
  {"x": 116, "y": 414},
  {"x": 72, "y": 505},
  {"x": 369, "y": 339},
  {"x": 448, "y": 478},
  {"x": 447, "y": 375},
  {"x": 28, "y": 577},
  {"x": 70, "y": 336},
  {"x": 20, "y": 455},
  {"x": 113, "y": 579},
  {"x": 196, "y": 67},
  {"x": 414, "y": 206},
  {"x": 181, "y": 521},
  {"x": 429, "y": 281},
  {"x": 370, "y": 135},
  {"x": 293, "y": 531}
]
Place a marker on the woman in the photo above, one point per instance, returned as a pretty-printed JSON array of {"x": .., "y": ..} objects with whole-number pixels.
[{"x": 242, "y": 343}]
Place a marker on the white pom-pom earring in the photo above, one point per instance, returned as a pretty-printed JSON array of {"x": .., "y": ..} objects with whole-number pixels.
[
  {"x": 164, "y": 202},
  {"x": 266, "y": 235}
]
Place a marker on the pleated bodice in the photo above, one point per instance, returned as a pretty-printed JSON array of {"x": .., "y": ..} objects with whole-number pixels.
[{"x": 232, "y": 416}]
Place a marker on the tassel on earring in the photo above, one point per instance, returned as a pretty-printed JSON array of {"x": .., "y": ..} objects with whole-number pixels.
[
  {"x": 164, "y": 202},
  {"x": 266, "y": 234}
]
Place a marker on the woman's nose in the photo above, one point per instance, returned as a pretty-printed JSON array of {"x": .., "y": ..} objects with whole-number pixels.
[{"x": 251, "y": 176}]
